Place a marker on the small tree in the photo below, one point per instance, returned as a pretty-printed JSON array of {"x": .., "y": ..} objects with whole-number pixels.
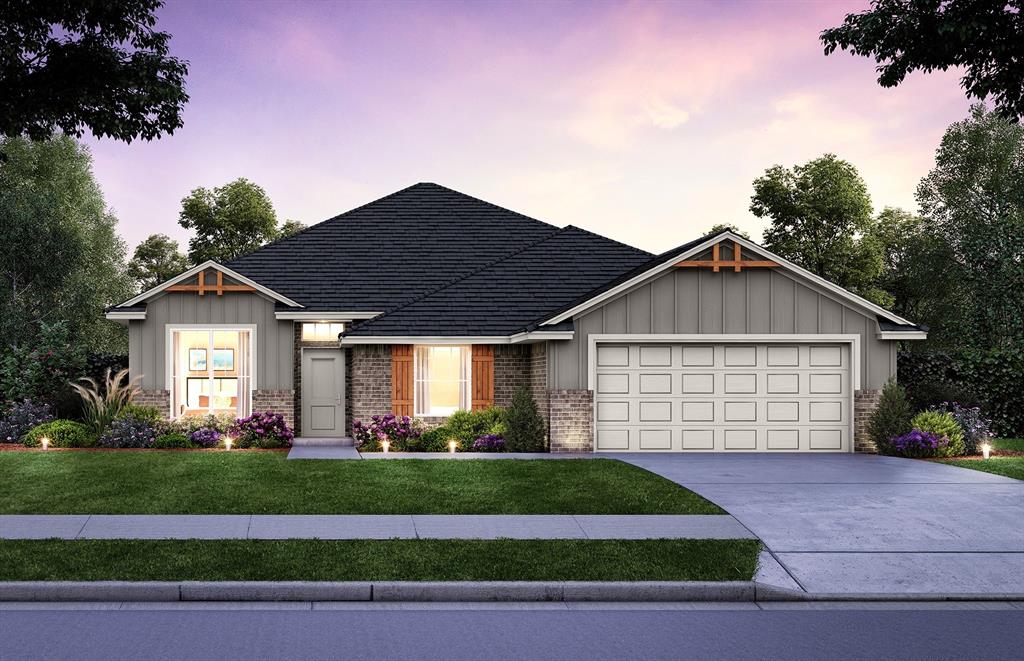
[
  {"x": 525, "y": 427},
  {"x": 891, "y": 417}
]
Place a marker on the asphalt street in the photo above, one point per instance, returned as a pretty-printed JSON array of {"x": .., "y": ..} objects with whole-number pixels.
[{"x": 510, "y": 631}]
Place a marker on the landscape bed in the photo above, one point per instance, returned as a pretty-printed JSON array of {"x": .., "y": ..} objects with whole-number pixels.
[
  {"x": 379, "y": 560},
  {"x": 1007, "y": 459},
  {"x": 175, "y": 482}
]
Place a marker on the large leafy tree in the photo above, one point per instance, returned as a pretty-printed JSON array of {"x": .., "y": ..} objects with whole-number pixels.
[
  {"x": 76, "y": 64},
  {"x": 985, "y": 38},
  {"x": 721, "y": 227},
  {"x": 290, "y": 227},
  {"x": 819, "y": 212},
  {"x": 973, "y": 202},
  {"x": 228, "y": 221},
  {"x": 61, "y": 259},
  {"x": 155, "y": 260}
]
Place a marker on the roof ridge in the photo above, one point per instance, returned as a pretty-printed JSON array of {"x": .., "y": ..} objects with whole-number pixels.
[{"x": 454, "y": 281}]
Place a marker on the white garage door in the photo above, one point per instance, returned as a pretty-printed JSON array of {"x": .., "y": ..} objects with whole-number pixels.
[{"x": 722, "y": 397}]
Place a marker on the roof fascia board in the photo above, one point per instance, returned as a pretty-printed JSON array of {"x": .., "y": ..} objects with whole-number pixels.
[
  {"x": 517, "y": 338},
  {"x": 115, "y": 315},
  {"x": 670, "y": 262},
  {"x": 901, "y": 335},
  {"x": 305, "y": 315},
  {"x": 148, "y": 294}
]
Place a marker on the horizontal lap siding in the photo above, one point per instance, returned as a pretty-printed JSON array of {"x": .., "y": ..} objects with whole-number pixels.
[{"x": 694, "y": 301}]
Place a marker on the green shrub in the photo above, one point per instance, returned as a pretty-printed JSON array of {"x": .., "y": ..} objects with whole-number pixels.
[
  {"x": 942, "y": 424},
  {"x": 173, "y": 440},
  {"x": 62, "y": 434},
  {"x": 524, "y": 426},
  {"x": 151, "y": 414},
  {"x": 890, "y": 418},
  {"x": 432, "y": 440},
  {"x": 189, "y": 424},
  {"x": 467, "y": 426},
  {"x": 101, "y": 405},
  {"x": 41, "y": 368}
]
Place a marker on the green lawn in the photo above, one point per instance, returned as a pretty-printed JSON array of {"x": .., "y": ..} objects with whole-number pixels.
[
  {"x": 1008, "y": 466},
  {"x": 380, "y": 560},
  {"x": 153, "y": 482}
]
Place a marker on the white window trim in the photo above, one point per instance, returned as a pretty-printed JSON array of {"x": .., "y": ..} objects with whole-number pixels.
[
  {"x": 415, "y": 378},
  {"x": 169, "y": 330},
  {"x": 809, "y": 338}
]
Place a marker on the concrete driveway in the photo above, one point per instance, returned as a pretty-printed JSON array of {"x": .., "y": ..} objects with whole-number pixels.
[{"x": 854, "y": 523}]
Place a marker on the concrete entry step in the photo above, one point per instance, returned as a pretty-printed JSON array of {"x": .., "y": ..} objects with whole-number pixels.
[{"x": 312, "y": 441}]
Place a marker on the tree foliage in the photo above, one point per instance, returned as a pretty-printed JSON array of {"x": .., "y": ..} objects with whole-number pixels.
[
  {"x": 818, "y": 213},
  {"x": 984, "y": 38},
  {"x": 76, "y": 64},
  {"x": 290, "y": 227},
  {"x": 228, "y": 221},
  {"x": 60, "y": 259},
  {"x": 721, "y": 227},
  {"x": 156, "y": 260},
  {"x": 524, "y": 426},
  {"x": 973, "y": 202}
]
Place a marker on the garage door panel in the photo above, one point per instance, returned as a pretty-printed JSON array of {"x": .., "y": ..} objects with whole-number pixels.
[{"x": 724, "y": 397}]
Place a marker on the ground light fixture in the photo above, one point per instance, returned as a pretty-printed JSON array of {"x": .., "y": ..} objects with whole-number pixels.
[
  {"x": 227, "y": 442},
  {"x": 45, "y": 442},
  {"x": 385, "y": 446},
  {"x": 986, "y": 450},
  {"x": 451, "y": 446}
]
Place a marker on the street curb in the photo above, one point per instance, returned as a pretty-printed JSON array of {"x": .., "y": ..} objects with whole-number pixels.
[{"x": 633, "y": 591}]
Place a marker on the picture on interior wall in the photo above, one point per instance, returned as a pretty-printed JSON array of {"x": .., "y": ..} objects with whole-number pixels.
[
  {"x": 224, "y": 360},
  {"x": 197, "y": 360}
]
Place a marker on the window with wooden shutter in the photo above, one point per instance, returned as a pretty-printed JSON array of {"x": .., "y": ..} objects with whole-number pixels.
[
  {"x": 483, "y": 376},
  {"x": 401, "y": 379}
]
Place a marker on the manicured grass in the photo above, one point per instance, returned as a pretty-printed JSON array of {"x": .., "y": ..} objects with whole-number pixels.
[
  {"x": 1008, "y": 466},
  {"x": 152, "y": 482},
  {"x": 379, "y": 560}
]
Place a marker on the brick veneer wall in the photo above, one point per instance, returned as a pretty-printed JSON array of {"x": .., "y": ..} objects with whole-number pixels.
[
  {"x": 277, "y": 401},
  {"x": 864, "y": 404},
  {"x": 571, "y": 423},
  {"x": 161, "y": 399},
  {"x": 370, "y": 380},
  {"x": 511, "y": 371},
  {"x": 538, "y": 372}
]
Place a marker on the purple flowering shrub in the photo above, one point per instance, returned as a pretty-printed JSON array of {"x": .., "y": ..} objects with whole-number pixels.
[
  {"x": 917, "y": 443},
  {"x": 489, "y": 443},
  {"x": 262, "y": 430},
  {"x": 205, "y": 437},
  {"x": 976, "y": 428},
  {"x": 398, "y": 430},
  {"x": 20, "y": 417},
  {"x": 128, "y": 432}
]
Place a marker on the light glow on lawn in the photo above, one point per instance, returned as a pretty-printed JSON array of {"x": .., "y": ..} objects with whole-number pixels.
[{"x": 986, "y": 450}]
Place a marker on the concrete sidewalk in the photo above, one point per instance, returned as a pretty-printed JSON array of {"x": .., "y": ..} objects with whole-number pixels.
[{"x": 359, "y": 526}]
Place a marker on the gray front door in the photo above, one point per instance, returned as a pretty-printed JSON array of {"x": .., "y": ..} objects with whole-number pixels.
[{"x": 323, "y": 392}]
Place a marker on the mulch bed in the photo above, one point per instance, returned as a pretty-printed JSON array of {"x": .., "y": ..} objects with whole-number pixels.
[{"x": 18, "y": 447}]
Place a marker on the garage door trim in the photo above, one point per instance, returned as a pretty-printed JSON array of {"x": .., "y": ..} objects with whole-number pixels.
[{"x": 711, "y": 338}]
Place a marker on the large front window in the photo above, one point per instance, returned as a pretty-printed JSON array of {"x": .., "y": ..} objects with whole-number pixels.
[
  {"x": 442, "y": 377},
  {"x": 211, "y": 371}
]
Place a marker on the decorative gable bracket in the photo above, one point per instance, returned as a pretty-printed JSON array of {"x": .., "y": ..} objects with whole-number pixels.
[
  {"x": 202, "y": 287},
  {"x": 737, "y": 263}
]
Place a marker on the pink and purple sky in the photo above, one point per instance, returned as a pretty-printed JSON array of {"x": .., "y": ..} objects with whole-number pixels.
[{"x": 646, "y": 122}]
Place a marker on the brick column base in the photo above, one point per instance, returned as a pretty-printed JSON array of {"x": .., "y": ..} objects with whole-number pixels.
[
  {"x": 864, "y": 404},
  {"x": 571, "y": 418},
  {"x": 161, "y": 399},
  {"x": 276, "y": 401}
]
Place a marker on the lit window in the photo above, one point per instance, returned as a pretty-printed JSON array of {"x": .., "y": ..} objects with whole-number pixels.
[
  {"x": 210, "y": 372},
  {"x": 321, "y": 331},
  {"x": 441, "y": 376}
]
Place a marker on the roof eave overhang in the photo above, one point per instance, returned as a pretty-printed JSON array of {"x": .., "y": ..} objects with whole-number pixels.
[
  {"x": 671, "y": 261},
  {"x": 123, "y": 317},
  {"x": 901, "y": 335},
  {"x": 307, "y": 315}
]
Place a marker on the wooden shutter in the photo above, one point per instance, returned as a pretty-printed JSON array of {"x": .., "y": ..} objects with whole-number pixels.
[
  {"x": 401, "y": 379},
  {"x": 482, "y": 379}
]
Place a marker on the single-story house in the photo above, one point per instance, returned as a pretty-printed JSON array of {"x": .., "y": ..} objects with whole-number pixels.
[{"x": 428, "y": 301}]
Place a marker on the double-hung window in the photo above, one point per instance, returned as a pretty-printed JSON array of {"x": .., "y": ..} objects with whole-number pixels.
[{"x": 441, "y": 375}]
